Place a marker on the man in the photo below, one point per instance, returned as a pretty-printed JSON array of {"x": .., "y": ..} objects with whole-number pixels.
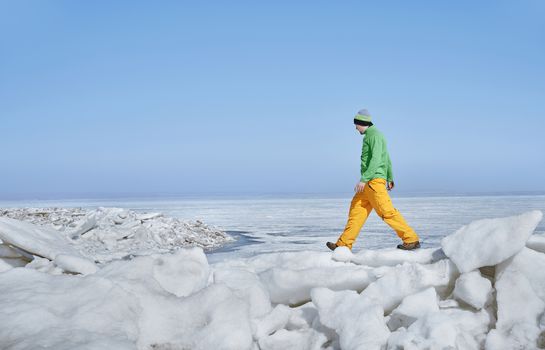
[{"x": 372, "y": 190}]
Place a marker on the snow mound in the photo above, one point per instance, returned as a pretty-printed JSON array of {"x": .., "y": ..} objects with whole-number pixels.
[
  {"x": 298, "y": 300},
  {"x": 104, "y": 234},
  {"x": 490, "y": 241}
]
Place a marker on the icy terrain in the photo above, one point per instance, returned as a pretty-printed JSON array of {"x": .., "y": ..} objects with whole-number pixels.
[
  {"x": 104, "y": 234},
  {"x": 482, "y": 287},
  {"x": 264, "y": 224}
]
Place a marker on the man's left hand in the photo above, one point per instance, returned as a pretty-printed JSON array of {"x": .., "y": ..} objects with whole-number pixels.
[
  {"x": 390, "y": 185},
  {"x": 360, "y": 187}
]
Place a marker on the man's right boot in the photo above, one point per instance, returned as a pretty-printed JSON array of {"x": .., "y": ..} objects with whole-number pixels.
[{"x": 409, "y": 246}]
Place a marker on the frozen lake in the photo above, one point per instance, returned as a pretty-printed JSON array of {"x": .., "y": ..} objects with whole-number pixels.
[{"x": 264, "y": 224}]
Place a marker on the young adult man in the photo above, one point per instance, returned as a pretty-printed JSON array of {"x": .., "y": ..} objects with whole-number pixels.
[{"x": 372, "y": 190}]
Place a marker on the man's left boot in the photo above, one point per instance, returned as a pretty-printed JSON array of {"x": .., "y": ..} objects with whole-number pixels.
[
  {"x": 331, "y": 245},
  {"x": 409, "y": 246}
]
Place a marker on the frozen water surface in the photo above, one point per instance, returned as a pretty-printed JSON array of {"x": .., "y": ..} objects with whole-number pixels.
[{"x": 263, "y": 224}]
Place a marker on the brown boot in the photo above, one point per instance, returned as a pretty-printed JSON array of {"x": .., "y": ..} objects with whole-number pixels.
[
  {"x": 409, "y": 246},
  {"x": 331, "y": 245}
]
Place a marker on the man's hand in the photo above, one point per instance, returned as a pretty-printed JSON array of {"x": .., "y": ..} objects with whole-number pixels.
[
  {"x": 390, "y": 185},
  {"x": 359, "y": 187}
]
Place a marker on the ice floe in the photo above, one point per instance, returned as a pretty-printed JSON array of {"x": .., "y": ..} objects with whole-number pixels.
[
  {"x": 384, "y": 299},
  {"x": 489, "y": 241},
  {"x": 102, "y": 234}
]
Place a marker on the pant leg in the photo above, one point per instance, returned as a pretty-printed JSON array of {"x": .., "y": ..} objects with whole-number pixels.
[
  {"x": 381, "y": 202},
  {"x": 360, "y": 208}
]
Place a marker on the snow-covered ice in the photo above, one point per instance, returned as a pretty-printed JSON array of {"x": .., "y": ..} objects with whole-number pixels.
[
  {"x": 489, "y": 241},
  {"x": 373, "y": 299},
  {"x": 358, "y": 321},
  {"x": 41, "y": 241},
  {"x": 520, "y": 286},
  {"x": 388, "y": 257},
  {"x": 102, "y": 234},
  {"x": 536, "y": 242},
  {"x": 413, "y": 307},
  {"x": 473, "y": 289}
]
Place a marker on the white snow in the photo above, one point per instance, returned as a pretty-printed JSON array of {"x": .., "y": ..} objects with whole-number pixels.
[
  {"x": 277, "y": 319},
  {"x": 444, "y": 329},
  {"x": 388, "y": 257},
  {"x": 536, "y": 242},
  {"x": 294, "y": 286},
  {"x": 103, "y": 234},
  {"x": 8, "y": 252},
  {"x": 183, "y": 273},
  {"x": 75, "y": 264},
  {"x": 473, "y": 289},
  {"x": 490, "y": 241},
  {"x": 40, "y": 241},
  {"x": 311, "y": 300},
  {"x": 520, "y": 286},
  {"x": 358, "y": 321},
  {"x": 409, "y": 278},
  {"x": 413, "y": 307}
]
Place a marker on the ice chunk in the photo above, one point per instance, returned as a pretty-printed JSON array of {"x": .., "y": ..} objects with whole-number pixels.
[
  {"x": 182, "y": 273},
  {"x": 490, "y": 241},
  {"x": 148, "y": 216},
  {"x": 473, "y": 289},
  {"x": 530, "y": 264},
  {"x": 8, "y": 252},
  {"x": 444, "y": 329},
  {"x": 88, "y": 223},
  {"x": 275, "y": 320},
  {"x": 4, "y": 266},
  {"x": 520, "y": 288},
  {"x": 44, "y": 265},
  {"x": 413, "y": 307},
  {"x": 75, "y": 264},
  {"x": 537, "y": 243},
  {"x": 307, "y": 339},
  {"x": 409, "y": 278},
  {"x": 358, "y": 320},
  {"x": 294, "y": 286},
  {"x": 247, "y": 286},
  {"x": 107, "y": 234},
  {"x": 40, "y": 241},
  {"x": 212, "y": 318},
  {"x": 342, "y": 254},
  {"x": 223, "y": 321},
  {"x": 392, "y": 257},
  {"x": 292, "y": 261},
  {"x": 302, "y": 316},
  {"x": 65, "y": 312},
  {"x": 448, "y": 304}
]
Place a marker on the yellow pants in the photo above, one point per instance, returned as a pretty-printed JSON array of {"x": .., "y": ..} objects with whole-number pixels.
[{"x": 374, "y": 196}]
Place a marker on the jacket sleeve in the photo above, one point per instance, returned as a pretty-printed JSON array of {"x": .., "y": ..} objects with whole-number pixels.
[
  {"x": 375, "y": 150},
  {"x": 389, "y": 172}
]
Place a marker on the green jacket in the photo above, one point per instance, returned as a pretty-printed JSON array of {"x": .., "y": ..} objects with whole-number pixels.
[{"x": 375, "y": 160}]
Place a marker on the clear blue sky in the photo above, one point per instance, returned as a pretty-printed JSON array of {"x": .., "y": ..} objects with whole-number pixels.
[{"x": 177, "y": 97}]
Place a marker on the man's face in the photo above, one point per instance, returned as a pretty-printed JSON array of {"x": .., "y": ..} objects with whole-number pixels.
[{"x": 361, "y": 128}]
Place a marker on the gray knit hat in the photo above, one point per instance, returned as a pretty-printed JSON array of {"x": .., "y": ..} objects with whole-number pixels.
[{"x": 362, "y": 118}]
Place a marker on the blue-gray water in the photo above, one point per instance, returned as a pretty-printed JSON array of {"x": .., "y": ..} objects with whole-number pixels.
[{"x": 266, "y": 224}]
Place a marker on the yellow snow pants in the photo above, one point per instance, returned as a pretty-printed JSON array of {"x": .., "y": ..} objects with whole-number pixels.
[{"x": 374, "y": 196}]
